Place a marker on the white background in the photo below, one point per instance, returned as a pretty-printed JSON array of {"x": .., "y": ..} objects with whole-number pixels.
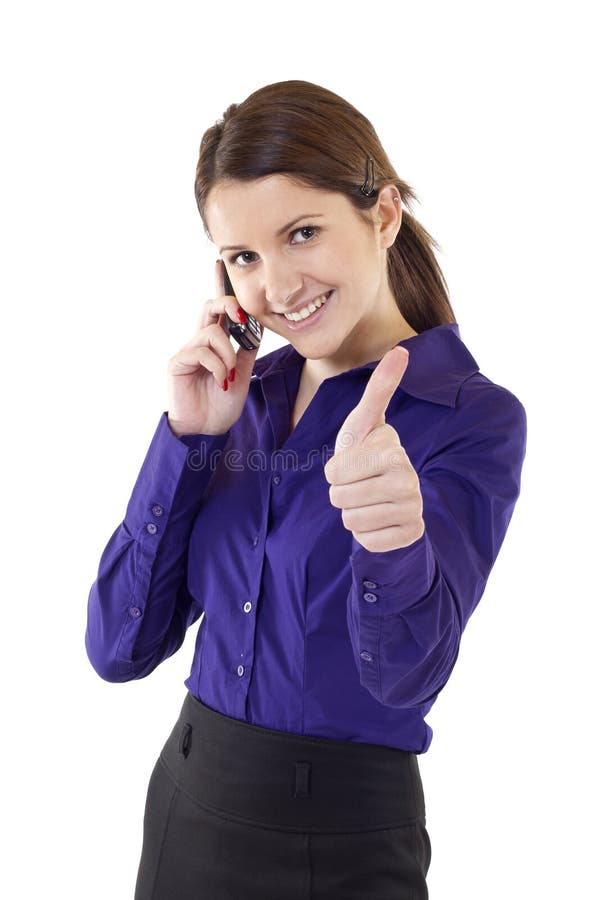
[{"x": 488, "y": 111}]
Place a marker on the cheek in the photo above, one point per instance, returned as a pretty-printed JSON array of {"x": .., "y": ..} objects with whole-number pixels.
[
  {"x": 248, "y": 297},
  {"x": 330, "y": 262},
  {"x": 349, "y": 264}
]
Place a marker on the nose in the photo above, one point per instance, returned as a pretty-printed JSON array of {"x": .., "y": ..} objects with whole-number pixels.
[{"x": 281, "y": 284}]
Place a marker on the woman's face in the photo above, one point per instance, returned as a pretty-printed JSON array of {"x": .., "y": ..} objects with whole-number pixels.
[{"x": 289, "y": 248}]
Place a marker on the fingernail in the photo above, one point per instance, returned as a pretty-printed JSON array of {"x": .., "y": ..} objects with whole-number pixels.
[
  {"x": 242, "y": 316},
  {"x": 225, "y": 385},
  {"x": 232, "y": 374}
]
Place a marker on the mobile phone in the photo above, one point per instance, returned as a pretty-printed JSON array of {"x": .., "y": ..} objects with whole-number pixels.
[{"x": 248, "y": 335}]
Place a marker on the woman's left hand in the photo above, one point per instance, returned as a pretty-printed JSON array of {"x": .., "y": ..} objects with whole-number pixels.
[{"x": 372, "y": 479}]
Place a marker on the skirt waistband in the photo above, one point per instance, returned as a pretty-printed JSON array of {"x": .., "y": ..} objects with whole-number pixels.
[{"x": 289, "y": 781}]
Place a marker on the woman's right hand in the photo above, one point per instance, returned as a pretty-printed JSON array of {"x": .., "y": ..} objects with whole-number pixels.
[{"x": 196, "y": 375}]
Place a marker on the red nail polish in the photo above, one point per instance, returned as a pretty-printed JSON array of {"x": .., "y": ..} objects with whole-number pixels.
[
  {"x": 242, "y": 316},
  {"x": 225, "y": 385},
  {"x": 232, "y": 374}
]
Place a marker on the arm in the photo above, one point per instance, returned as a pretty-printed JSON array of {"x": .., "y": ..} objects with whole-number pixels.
[
  {"x": 406, "y": 640},
  {"x": 139, "y": 607}
]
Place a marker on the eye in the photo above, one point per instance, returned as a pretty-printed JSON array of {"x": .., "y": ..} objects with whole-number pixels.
[
  {"x": 247, "y": 257},
  {"x": 308, "y": 232},
  {"x": 242, "y": 258}
]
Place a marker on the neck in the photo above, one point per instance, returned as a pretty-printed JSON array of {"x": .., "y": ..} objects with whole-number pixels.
[{"x": 372, "y": 344}]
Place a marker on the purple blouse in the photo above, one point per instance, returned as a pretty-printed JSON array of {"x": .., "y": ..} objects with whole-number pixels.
[{"x": 303, "y": 629}]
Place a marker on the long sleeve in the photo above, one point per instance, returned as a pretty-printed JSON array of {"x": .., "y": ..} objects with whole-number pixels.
[
  {"x": 302, "y": 629},
  {"x": 139, "y": 606},
  {"x": 407, "y": 608}
]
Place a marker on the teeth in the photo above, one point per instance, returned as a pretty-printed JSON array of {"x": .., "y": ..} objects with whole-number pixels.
[{"x": 307, "y": 311}]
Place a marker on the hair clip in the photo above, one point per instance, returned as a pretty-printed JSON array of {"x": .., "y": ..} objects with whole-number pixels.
[{"x": 368, "y": 188}]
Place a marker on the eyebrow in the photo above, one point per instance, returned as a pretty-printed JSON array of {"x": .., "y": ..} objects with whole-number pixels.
[{"x": 278, "y": 233}]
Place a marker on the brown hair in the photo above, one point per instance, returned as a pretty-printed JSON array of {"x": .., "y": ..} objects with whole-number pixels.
[{"x": 318, "y": 138}]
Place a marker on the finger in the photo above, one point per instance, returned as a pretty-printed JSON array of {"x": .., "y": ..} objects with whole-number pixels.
[
  {"x": 225, "y": 290},
  {"x": 370, "y": 410},
  {"x": 240, "y": 361},
  {"x": 360, "y": 464},
  {"x": 385, "y": 488},
  {"x": 381, "y": 515},
  {"x": 219, "y": 280},
  {"x": 379, "y": 450},
  {"x": 391, "y": 538},
  {"x": 222, "y": 355},
  {"x": 213, "y": 312}
]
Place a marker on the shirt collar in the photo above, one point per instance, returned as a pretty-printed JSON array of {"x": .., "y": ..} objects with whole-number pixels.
[{"x": 439, "y": 364}]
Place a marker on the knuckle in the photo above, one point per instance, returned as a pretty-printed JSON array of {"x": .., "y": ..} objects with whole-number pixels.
[
  {"x": 331, "y": 472},
  {"x": 397, "y": 459},
  {"x": 389, "y": 433},
  {"x": 412, "y": 515},
  {"x": 347, "y": 519},
  {"x": 416, "y": 509},
  {"x": 367, "y": 542},
  {"x": 415, "y": 533},
  {"x": 418, "y": 491}
]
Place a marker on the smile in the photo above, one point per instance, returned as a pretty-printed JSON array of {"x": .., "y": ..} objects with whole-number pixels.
[{"x": 308, "y": 310}]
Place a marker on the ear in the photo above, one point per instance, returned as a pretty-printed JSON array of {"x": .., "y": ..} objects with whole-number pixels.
[{"x": 388, "y": 213}]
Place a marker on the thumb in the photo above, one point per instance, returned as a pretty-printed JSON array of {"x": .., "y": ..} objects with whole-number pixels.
[{"x": 370, "y": 410}]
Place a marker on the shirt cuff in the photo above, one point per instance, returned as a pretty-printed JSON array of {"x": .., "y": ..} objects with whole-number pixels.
[
  {"x": 394, "y": 580},
  {"x": 175, "y": 472}
]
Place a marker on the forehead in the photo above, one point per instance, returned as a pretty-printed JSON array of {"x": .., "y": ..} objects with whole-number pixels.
[{"x": 266, "y": 203}]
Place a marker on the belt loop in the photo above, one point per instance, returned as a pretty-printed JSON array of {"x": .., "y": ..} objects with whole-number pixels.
[
  {"x": 302, "y": 788},
  {"x": 185, "y": 739}
]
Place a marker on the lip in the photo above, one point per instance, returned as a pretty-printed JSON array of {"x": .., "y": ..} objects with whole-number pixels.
[{"x": 312, "y": 319}]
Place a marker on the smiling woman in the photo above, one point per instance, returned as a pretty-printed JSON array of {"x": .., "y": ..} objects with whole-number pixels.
[
  {"x": 319, "y": 140},
  {"x": 324, "y": 284},
  {"x": 335, "y": 582}
]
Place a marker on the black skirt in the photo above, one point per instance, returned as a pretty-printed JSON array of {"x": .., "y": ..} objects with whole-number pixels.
[{"x": 239, "y": 812}]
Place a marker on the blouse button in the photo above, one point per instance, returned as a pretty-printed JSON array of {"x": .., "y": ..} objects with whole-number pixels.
[
  {"x": 247, "y": 607},
  {"x": 151, "y": 528},
  {"x": 369, "y": 584},
  {"x": 276, "y": 479},
  {"x": 135, "y": 612},
  {"x": 157, "y": 510},
  {"x": 370, "y": 598},
  {"x": 240, "y": 670},
  {"x": 366, "y": 656}
]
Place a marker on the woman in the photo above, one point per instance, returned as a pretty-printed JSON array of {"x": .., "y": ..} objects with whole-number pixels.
[{"x": 334, "y": 509}]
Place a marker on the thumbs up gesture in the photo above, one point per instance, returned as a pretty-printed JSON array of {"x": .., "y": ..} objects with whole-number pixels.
[{"x": 372, "y": 479}]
